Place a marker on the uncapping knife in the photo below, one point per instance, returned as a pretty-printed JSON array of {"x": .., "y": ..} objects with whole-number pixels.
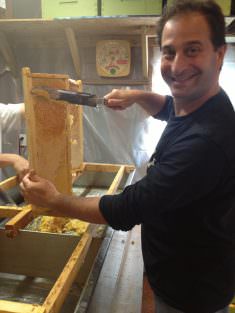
[{"x": 81, "y": 98}]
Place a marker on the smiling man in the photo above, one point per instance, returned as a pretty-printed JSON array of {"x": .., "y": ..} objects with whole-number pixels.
[
  {"x": 186, "y": 201},
  {"x": 190, "y": 62}
]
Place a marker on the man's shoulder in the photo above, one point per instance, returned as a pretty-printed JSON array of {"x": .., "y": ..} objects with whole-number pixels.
[
  {"x": 217, "y": 123},
  {"x": 165, "y": 112}
]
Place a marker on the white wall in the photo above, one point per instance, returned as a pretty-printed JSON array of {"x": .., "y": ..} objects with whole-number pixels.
[
  {"x": 3, "y": 4},
  {"x": 227, "y": 76}
]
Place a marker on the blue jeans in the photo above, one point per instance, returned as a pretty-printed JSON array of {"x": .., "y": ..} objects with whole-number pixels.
[{"x": 162, "y": 307}]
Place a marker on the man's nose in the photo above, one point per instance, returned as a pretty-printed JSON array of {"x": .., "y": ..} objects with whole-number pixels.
[{"x": 179, "y": 63}]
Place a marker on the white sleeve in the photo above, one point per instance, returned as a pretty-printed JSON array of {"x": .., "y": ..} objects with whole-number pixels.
[{"x": 10, "y": 116}]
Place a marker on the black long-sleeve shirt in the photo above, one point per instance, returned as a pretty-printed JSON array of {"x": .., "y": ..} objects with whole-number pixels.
[{"x": 186, "y": 205}]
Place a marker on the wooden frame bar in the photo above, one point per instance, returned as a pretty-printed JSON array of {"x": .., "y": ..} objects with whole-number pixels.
[
  {"x": 58, "y": 293},
  {"x": 16, "y": 307},
  {"x": 21, "y": 216},
  {"x": 54, "y": 130},
  {"x": 8, "y": 183}
]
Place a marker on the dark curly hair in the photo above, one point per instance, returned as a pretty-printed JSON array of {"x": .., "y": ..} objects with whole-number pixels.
[{"x": 208, "y": 8}]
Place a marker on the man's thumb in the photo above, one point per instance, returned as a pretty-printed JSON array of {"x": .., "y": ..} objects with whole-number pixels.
[{"x": 33, "y": 176}]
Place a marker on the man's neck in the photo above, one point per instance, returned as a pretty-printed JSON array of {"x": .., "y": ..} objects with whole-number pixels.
[{"x": 183, "y": 107}]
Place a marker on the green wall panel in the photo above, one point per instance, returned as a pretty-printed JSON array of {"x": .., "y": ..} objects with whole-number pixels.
[
  {"x": 68, "y": 8},
  {"x": 225, "y": 5},
  {"x": 131, "y": 7}
]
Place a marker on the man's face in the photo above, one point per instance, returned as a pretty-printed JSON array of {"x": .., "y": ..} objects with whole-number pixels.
[{"x": 190, "y": 65}]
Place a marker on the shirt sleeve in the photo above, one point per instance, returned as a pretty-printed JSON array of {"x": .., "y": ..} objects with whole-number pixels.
[
  {"x": 10, "y": 115},
  {"x": 165, "y": 112},
  {"x": 189, "y": 170}
]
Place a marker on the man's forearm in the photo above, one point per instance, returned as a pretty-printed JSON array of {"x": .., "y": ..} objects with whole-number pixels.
[
  {"x": 151, "y": 102},
  {"x": 84, "y": 208},
  {"x": 119, "y": 99}
]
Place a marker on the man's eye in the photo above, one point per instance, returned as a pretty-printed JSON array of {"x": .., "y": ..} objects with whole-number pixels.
[
  {"x": 192, "y": 51},
  {"x": 169, "y": 55}
]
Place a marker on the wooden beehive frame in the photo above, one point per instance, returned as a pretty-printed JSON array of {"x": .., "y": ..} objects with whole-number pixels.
[{"x": 55, "y": 148}]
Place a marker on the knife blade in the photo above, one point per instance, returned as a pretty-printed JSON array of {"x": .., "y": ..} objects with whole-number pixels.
[{"x": 73, "y": 97}]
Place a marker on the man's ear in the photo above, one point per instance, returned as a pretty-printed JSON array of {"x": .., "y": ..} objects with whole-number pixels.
[{"x": 220, "y": 54}]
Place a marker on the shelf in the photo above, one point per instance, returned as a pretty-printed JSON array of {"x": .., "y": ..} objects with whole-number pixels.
[
  {"x": 128, "y": 25},
  {"x": 96, "y": 25}
]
